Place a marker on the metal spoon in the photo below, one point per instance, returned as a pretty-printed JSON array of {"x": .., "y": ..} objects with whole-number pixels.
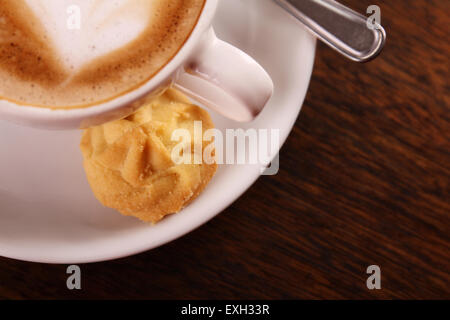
[{"x": 340, "y": 27}]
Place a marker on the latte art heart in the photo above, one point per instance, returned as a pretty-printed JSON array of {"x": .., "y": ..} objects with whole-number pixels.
[
  {"x": 104, "y": 26},
  {"x": 116, "y": 46}
]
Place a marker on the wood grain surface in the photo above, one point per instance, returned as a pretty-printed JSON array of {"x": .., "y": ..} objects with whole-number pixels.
[{"x": 364, "y": 179}]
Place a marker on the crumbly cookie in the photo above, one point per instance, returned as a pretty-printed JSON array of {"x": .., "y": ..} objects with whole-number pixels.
[{"x": 129, "y": 162}]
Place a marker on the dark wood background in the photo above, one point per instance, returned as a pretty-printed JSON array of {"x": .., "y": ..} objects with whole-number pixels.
[{"x": 365, "y": 179}]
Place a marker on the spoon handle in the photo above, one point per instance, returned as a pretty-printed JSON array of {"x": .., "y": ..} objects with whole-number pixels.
[{"x": 341, "y": 28}]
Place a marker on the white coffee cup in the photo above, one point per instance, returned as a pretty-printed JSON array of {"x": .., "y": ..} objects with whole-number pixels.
[{"x": 210, "y": 71}]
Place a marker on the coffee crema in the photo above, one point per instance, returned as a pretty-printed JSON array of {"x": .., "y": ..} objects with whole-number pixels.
[{"x": 78, "y": 53}]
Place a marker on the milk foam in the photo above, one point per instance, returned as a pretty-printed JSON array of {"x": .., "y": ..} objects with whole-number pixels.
[{"x": 104, "y": 26}]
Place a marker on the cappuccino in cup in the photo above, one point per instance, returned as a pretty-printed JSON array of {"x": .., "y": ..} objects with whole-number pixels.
[{"x": 64, "y": 54}]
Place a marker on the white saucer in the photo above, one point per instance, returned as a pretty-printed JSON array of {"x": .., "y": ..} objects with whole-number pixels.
[{"x": 47, "y": 211}]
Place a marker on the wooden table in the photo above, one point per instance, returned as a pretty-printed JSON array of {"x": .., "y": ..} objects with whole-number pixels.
[{"x": 364, "y": 180}]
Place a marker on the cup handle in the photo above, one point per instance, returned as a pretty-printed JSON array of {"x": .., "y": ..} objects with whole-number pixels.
[{"x": 225, "y": 79}]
